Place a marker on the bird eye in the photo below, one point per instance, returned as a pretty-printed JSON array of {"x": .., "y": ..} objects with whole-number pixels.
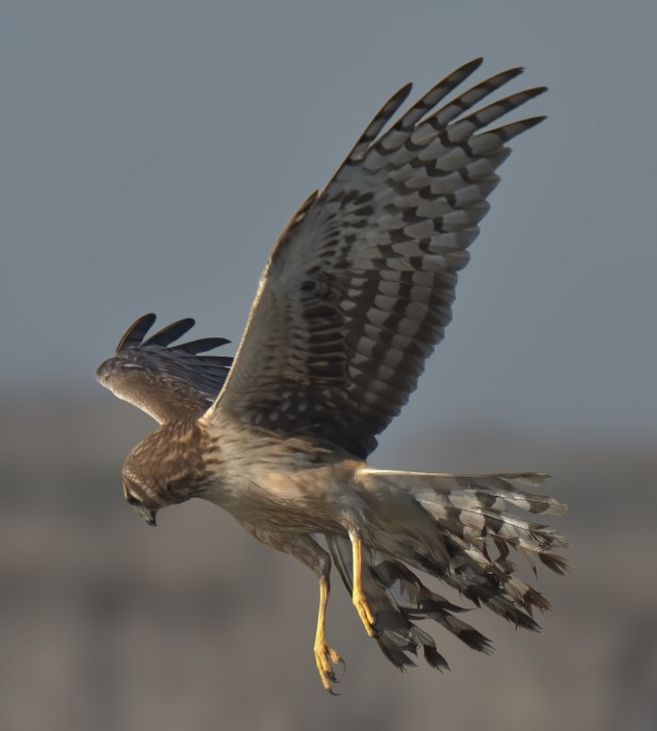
[
  {"x": 129, "y": 495},
  {"x": 132, "y": 500}
]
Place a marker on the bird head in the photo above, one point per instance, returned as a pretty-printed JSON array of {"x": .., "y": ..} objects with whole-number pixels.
[{"x": 165, "y": 468}]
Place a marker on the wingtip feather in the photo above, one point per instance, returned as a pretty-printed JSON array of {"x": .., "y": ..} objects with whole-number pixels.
[{"x": 135, "y": 334}]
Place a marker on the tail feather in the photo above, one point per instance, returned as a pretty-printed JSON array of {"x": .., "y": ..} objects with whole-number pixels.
[
  {"x": 419, "y": 602},
  {"x": 399, "y": 599},
  {"x": 450, "y": 526}
]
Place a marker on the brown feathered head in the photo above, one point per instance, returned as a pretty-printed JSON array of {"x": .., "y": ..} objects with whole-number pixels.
[{"x": 165, "y": 468}]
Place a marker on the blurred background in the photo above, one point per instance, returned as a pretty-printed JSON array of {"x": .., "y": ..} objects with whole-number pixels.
[{"x": 151, "y": 150}]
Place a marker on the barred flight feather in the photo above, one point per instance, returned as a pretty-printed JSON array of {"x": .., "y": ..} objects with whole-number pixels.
[{"x": 359, "y": 288}]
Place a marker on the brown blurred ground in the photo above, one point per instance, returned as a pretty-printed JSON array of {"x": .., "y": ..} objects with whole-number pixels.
[{"x": 105, "y": 624}]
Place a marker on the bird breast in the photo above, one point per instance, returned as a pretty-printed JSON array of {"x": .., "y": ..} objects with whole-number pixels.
[{"x": 280, "y": 483}]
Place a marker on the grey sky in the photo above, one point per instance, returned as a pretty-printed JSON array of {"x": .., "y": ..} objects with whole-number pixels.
[{"x": 151, "y": 151}]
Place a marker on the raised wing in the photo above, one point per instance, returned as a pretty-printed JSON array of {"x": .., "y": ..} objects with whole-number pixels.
[
  {"x": 359, "y": 287},
  {"x": 169, "y": 383}
]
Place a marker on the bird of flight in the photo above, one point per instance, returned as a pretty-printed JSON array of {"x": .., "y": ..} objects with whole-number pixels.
[{"x": 353, "y": 299}]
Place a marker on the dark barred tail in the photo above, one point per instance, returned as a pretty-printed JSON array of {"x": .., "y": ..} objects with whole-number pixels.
[
  {"x": 398, "y": 608},
  {"x": 463, "y": 535}
]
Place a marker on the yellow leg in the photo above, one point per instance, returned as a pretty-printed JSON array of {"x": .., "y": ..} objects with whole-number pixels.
[
  {"x": 326, "y": 658},
  {"x": 358, "y": 597}
]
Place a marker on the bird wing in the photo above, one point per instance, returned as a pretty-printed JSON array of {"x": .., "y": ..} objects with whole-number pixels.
[
  {"x": 168, "y": 382},
  {"x": 358, "y": 289}
]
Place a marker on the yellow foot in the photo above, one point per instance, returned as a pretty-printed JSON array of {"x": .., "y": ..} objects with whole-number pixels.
[
  {"x": 328, "y": 660},
  {"x": 366, "y": 615}
]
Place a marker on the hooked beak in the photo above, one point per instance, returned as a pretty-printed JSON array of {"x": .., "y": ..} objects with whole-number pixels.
[{"x": 148, "y": 515}]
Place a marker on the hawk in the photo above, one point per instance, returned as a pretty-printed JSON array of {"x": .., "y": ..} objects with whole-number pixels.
[{"x": 355, "y": 295}]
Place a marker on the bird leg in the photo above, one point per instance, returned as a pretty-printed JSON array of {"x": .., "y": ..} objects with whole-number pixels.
[
  {"x": 326, "y": 658},
  {"x": 367, "y": 616},
  {"x": 309, "y": 552}
]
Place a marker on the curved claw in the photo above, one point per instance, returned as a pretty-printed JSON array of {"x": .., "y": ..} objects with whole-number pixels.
[{"x": 328, "y": 661}]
